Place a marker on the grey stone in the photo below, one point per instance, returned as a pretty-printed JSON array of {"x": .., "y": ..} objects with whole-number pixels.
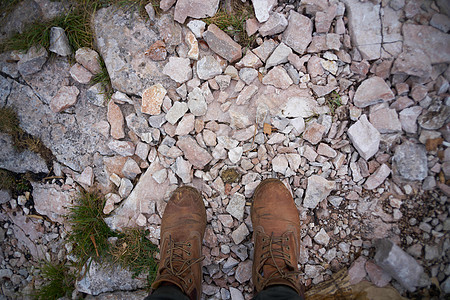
[
  {"x": 278, "y": 77},
  {"x": 410, "y": 161},
  {"x": 365, "y": 27},
  {"x": 176, "y": 112},
  {"x": 59, "y": 43},
  {"x": 96, "y": 95},
  {"x": 5, "y": 89},
  {"x": 23, "y": 14},
  {"x": 197, "y": 9},
  {"x": 278, "y": 56},
  {"x": 400, "y": 265},
  {"x": 275, "y": 24},
  {"x": 100, "y": 279},
  {"x": 140, "y": 127},
  {"x": 19, "y": 161},
  {"x": 441, "y": 22},
  {"x": 208, "y": 67},
  {"x": 247, "y": 75},
  {"x": 197, "y": 103},
  {"x": 265, "y": 49},
  {"x": 240, "y": 234},
  {"x": 298, "y": 33},
  {"x": 435, "y": 116},
  {"x": 32, "y": 61},
  {"x": 69, "y": 136},
  {"x": 364, "y": 137},
  {"x": 236, "y": 206},
  {"x": 64, "y": 98},
  {"x": 197, "y": 27},
  {"x": 121, "y": 35},
  {"x": 317, "y": 190},
  {"x": 412, "y": 62},
  {"x": 322, "y": 237},
  {"x": 408, "y": 118}
]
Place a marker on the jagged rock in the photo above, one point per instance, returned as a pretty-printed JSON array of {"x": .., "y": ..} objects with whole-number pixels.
[
  {"x": 412, "y": 62},
  {"x": 385, "y": 120},
  {"x": 365, "y": 27},
  {"x": 298, "y": 33},
  {"x": 53, "y": 201},
  {"x": 408, "y": 118},
  {"x": 263, "y": 8},
  {"x": 32, "y": 61},
  {"x": 140, "y": 127},
  {"x": 59, "y": 43},
  {"x": 196, "y": 155},
  {"x": 435, "y": 116},
  {"x": 179, "y": 69},
  {"x": 101, "y": 279},
  {"x": 19, "y": 162},
  {"x": 69, "y": 136},
  {"x": 152, "y": 99},
  {"x": 317, "y": 190},
  {"x": 96, "y": 95},
  {"x": 428, "y": 39},
  {"x": 157, "y": 51},
  {"x": 276, "y": 23},
  {"x": 222, "y": 44},
  {"x": 400, "y": 265},
  {"x": 115, "y": 119},
  {"x": 365, "y": 138},
  {"x": 197, "y": 9},
  {"x": 80, "y": 73},
  {"x": 208, "y": 67},
  {"x": 197, "y": 103},
  {"x": 377, "y": 177},
  {"x": 89, "y": 59},
  {"x": 372, "y": 91},
  {"x": 278, "y": 77},
  {"x": 23, "y": 14},
  {"x": 142, "y": 200},
  {"x": 65, "y": 98},
  {"x": 122, "y": 49},
  {"x": 236, "y": 206},
  {"x": 410, "y": 161}
]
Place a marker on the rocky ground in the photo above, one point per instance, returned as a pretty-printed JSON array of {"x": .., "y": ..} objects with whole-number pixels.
[{"x": 345, "y": 101}]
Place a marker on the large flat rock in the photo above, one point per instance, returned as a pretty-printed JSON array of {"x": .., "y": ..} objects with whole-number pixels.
[
  {"x": 365, "y": 27},
  {"x": 122, "y": 39},
  {"x": 72, "y": 138}
]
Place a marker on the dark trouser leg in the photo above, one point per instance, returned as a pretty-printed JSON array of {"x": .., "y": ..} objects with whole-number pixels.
[
  {"x": 167, "y": 292},
  {"x": 278, "y": 292}
]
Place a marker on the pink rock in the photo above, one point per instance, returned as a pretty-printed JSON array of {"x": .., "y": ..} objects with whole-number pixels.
[
  {"x": 64, "y": 98},
  {"x": 131, "y": 169},
  {"x": 222, "y": 44},
  {"x": 165, "y": 5},
  {"x": 80, "y": 73},
  {"x": 115, "y": 119},
  {"x": 114, "y": 164},
  {"x": 314, "y": 132},
  {"x": 251, "y": 26},
  {"x": 152, "y": 99},
  {"x": 52, "y": 201},
  {"x": 323, "y": 19},
  {"x": 386, "y": 120},
  {"x": 86, "y": 177},
  {"x": 372, "y": 91},
  {"x": 250, "y": 60},
  {"x": 122, "y": 147},
  {"x": 244, "y": 271},
  {"x": 357, "y": 270},
  {"x": 377, "y": 275},
  {"x": 314, "y": 67},
  {"x": 278, "y": 77},
  {"x": 197, "y": 9},
  {"x": 89, "y": 59},
  {"x": 196, "y": 155},
  {"x": 298, "y": 34},
  {"x": 377, "y": 178}
]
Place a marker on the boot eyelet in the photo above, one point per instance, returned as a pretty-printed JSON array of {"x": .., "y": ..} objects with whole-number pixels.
[
  {"x": 287, "y": 239},
  {"x": 189, "y": 253},
  {"x": 190, "y": 280},
  {"x": 189, "y": 245},
  {"x": 263, "y": 239},
  {"x": 287, "y": 247}
]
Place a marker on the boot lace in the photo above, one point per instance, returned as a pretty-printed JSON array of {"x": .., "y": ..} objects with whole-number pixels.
[
  {"x": 273, "y": 251},
  {"x": 176, "y": 264}
]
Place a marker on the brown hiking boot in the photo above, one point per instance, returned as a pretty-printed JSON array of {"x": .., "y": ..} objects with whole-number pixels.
[
  {"x": 276, "y": 234},
  {"x": 182, "y": 230}
]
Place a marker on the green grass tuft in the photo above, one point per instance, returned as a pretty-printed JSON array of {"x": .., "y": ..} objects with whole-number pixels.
[
  {"x": 9, "y": 123},
  {"x": 333, "y": 101},
  {"x": 89, "y": 233},
  {"x": 134, "y": 251},
  {"x": 104, "y": 79},
  {"x": 60, "y": 281}
]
